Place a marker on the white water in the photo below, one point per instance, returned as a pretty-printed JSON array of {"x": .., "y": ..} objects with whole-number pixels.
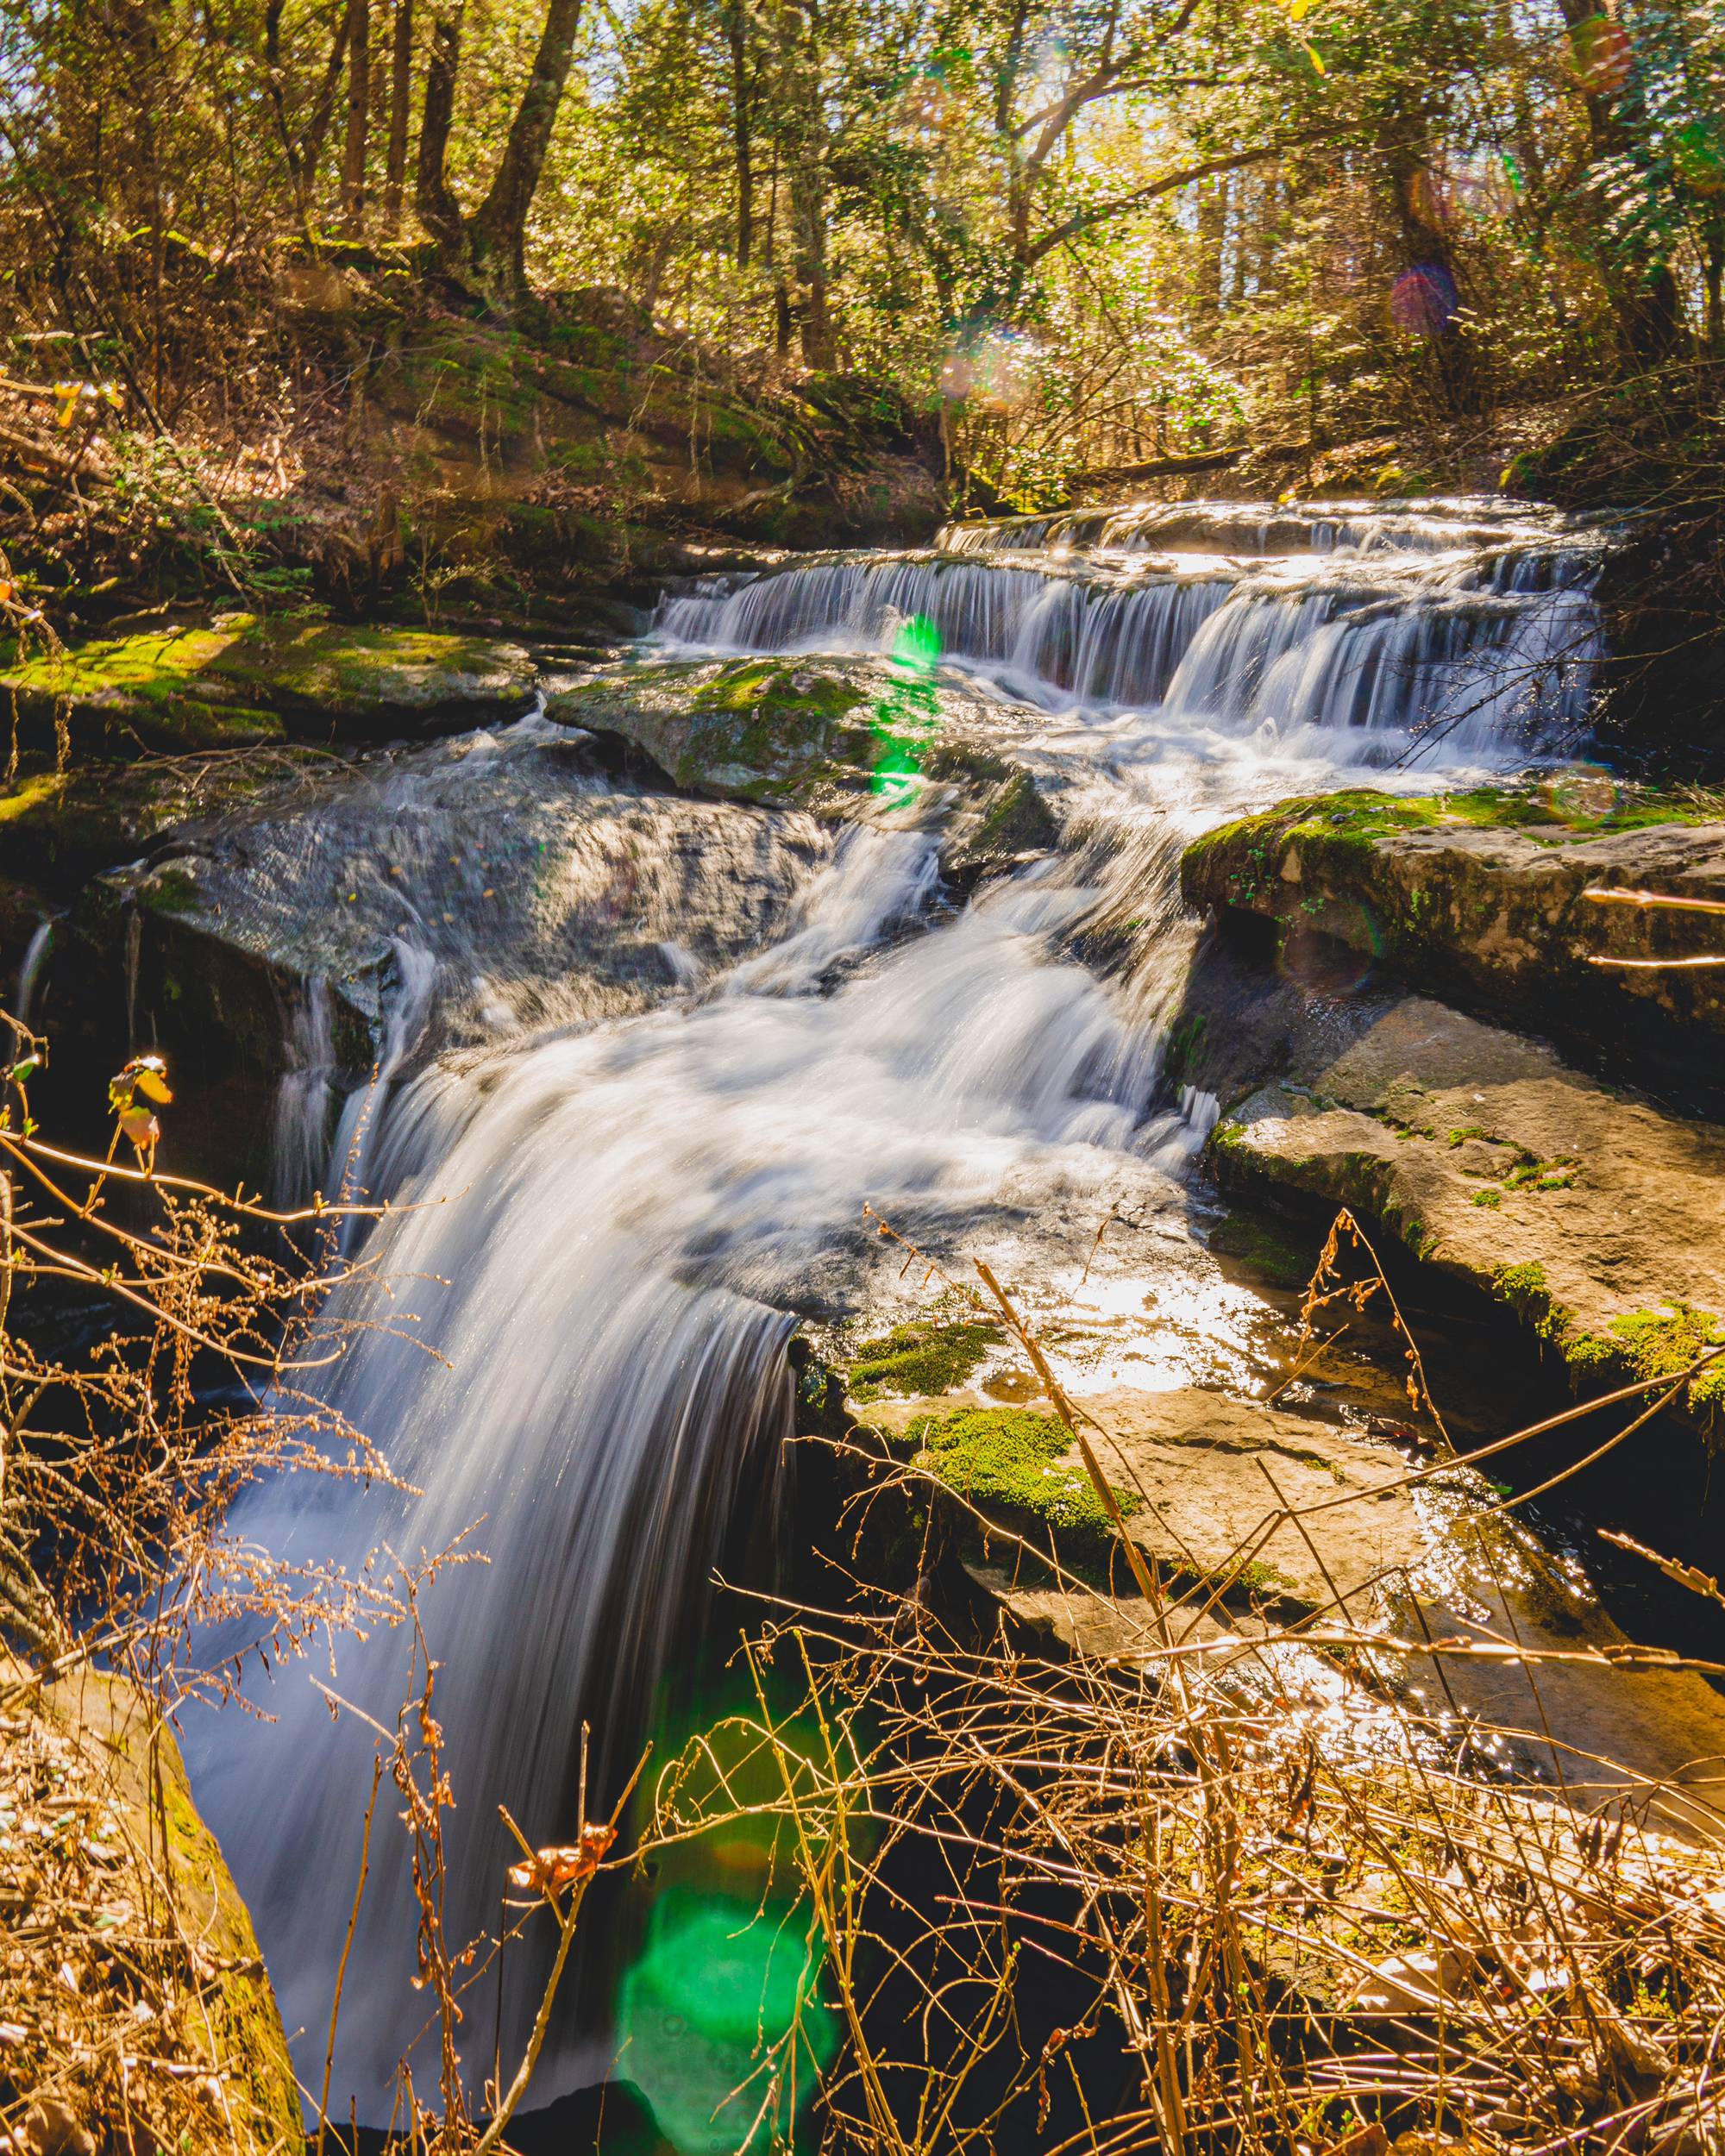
[
  {"x": 30, "y": 970},
  {"x": 609, "y": 1225},
  {"x": 1474, "y": 641}
]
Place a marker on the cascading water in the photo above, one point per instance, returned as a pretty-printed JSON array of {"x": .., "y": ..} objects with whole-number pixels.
[
  {"x": 1481, "y": 633},
  {"x": 607, "y": 1226}
]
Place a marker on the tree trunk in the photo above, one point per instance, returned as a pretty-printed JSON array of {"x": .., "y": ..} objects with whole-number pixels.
[
  {"x": 359, "y": 116},
  {"x": 303, "y": 154},
  {"x": 737, "y": 34},
  {"x": 499, "y": 230},
  {"x": 1644, "y": 294},
  {"x": 400, "y": 95},
  {"x": 433, "y": 196},
  {"x": 808, "y": 226}
]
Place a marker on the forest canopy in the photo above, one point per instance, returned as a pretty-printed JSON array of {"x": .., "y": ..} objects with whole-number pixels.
[{"x": 1089, "y": 234}]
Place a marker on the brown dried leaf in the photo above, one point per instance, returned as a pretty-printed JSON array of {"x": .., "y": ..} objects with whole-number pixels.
[{"x": 554, "y": 1869}]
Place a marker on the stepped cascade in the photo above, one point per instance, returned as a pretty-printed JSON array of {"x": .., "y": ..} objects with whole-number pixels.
[{"x": 609, "y": 1220}]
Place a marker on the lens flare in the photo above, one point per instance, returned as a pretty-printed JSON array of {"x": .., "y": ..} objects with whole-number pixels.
[
  {"x": 906, "y": 715},
  {"x": 722, "y": 2027},
  {"x": 1424, "y": 300},
  {"x": 1601, "y": 51}
]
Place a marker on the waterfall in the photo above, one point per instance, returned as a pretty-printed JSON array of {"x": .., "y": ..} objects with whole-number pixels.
[
  {"x": 1276, "y": 528},
  {"x": 601, "y": 1252},
  {"x": 1460, "y": 622},
  {"x": 304, "y": 1098},
  {"x": 607, "y": 1211}
]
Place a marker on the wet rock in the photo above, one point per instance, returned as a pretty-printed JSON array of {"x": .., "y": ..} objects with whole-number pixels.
[
  {"x": 1601, "y": 1234},
  {"x": 61, "y": 828},
  {"x": 1478, "y": 897},
  {"x": 466, "y": 888},
  {"x": 243, "y": 679},
  {"x": 842, "y": 739}
]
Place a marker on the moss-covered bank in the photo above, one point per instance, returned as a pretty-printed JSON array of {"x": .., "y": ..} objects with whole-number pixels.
[
  {"x": 1480, "y": 896},
  {"x": 240, "y": 680}
]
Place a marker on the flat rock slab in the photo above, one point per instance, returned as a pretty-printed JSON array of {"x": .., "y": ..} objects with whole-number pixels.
[
  {"x": 1204, "y": 1474},
  {"x": 1596, "y": 1218},
  {"x": 1479, "y": 897}
]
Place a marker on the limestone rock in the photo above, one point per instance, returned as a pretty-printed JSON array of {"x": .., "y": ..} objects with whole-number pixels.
[
  {"x": 1478, "y": 897},
  {"x": 1604, "y": 1233}
]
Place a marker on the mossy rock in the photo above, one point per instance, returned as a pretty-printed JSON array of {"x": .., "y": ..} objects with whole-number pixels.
[
  {"x": 244, "y": 679},
  {"x": 1634, "y": 1347},
  {"x": 59, "y": 828},
  {"x": 776, "y": 732},
  {"x": 840, "y": 738},
  {"x": 1022, "y": 1466},
  {"x": 140, "y": 1764},
  {"x": 1483, "y": 897}
]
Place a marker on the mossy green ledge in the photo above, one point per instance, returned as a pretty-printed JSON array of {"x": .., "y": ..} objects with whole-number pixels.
[
  {"x": 1594, "y": 1217},
  {"x": 1187, "y": 1469},
  {"x": 1479, "y": 896},
  {"x": 240, "y": 680}
]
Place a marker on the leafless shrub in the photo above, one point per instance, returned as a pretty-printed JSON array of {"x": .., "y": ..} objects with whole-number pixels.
[{"x": 1273, "y": 1929}]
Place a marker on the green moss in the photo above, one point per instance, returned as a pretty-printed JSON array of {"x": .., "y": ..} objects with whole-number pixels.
[
  {"x": 1527, "y": 1292},
  {"x": 767, "y": 686},
  {"x": 1652, "y": 1343},
  {"x": 1328, "y": 829},
  {"x": 30, "y": 797},
  {"x": 924, "y": 1356},
  {"x": 227, "y": 685},
  {"x": 1265, "y": 1248},
  {"x": 1017, "y": 1459}
]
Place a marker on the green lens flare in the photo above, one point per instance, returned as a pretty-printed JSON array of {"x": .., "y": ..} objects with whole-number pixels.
[
  {"x": 722, "y": 2029},
  {"x": 918, "y": 645},
  {"x": 907, "y": 715}
]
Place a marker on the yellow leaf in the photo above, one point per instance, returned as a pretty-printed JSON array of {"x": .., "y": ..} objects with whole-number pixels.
[
  {"x": 140, "y": 1127},
  {"x": 154, "y": 1087},
  {"x": 1311, "y": 54}
]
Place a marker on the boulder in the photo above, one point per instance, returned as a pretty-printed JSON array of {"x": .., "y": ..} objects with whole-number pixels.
[
  {"x": 101, "y": 1818},
  {"x": 440, "y": 894},
  {"x": 1479, "y": 897},
  {"x": 856, "y": 739}
]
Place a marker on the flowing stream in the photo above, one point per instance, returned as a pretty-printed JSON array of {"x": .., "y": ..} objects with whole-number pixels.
[{"x": 614, "y": 1215}]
